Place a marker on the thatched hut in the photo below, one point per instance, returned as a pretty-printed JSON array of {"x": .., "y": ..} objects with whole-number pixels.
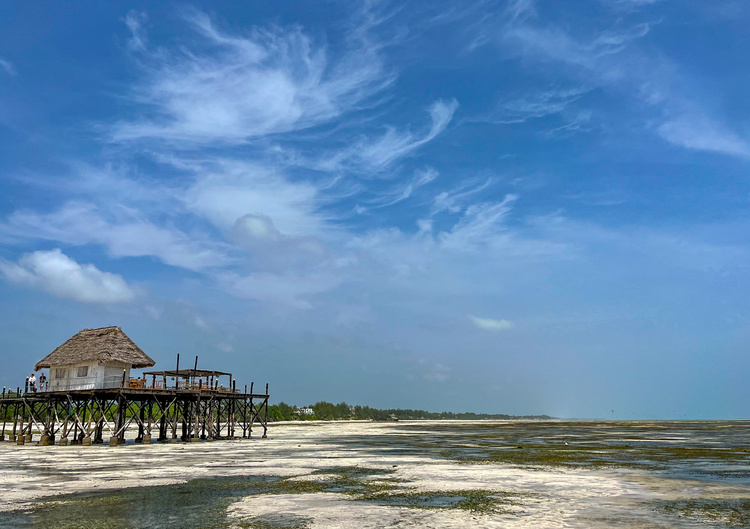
[{"x": 92, "y": 359}]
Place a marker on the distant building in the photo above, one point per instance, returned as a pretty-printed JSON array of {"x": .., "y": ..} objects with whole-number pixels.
[
  {"x": 93, "y": 359},
  {"x": 304, "y": 411}
]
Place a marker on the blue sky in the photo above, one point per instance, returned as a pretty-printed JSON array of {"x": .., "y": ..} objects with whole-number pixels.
[{"x": 517, "y": 207}]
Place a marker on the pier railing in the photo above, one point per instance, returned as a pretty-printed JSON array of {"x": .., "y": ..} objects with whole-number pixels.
[{"x": 116, "y": 382}]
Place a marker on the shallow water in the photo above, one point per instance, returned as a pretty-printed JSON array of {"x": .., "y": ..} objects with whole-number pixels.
[{"x": 416, "y": 474}]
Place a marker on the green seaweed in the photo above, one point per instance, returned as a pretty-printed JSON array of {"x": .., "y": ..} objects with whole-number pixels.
[
  {"x": 355, "y": 480},
  {"x": 732, "y": 513},
  {"x": 475, "y": 501},
  {"x": 276, "y": 521},
  {"x": 198, "y": 503}
]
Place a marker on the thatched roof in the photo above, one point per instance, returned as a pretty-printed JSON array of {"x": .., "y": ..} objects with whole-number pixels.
[{"x": 104, "y": 344}]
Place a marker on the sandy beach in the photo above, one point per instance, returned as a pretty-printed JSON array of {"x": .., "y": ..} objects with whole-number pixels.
[{"x": 407, "y": 474}]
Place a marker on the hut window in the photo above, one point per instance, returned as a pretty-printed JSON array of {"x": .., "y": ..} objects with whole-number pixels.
[
  {"x": 60, "y": 373},
  {"x": 83, "y": 371}
]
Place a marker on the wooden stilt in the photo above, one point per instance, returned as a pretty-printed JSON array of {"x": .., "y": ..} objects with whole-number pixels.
[
  {"x": 142, "y": 417},
  {"x": 147, "y": 436},
  {"x": 174, "y": 416},
  {"x": 163, "y": 426},
  {"x": 21, "y": 438},
  {"x": 265, "y": 414},
  {"x": 15, "y": 414}
]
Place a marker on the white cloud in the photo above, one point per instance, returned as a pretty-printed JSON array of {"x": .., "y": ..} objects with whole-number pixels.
[
  {"x": 255, "y": 227},
  {"x": 480, "y": 224},
  {"x": 580, "y": 122},
  {"x": 58, "y": 274},
  {"x": 489, "y": 324},
  {"x": 232, "y": 88},
  {"x": 226, "y": 190},
  {"x": 454, "y": 200},
  {"x": 602, "y": 62},
  {"x": 396, "y": 144},
  {"x": 7, "y": 66},
  {"x": 270, "y": 250},
  {"x": 703, "y": 134},
  {"x": 630, "y": 4},
  {"x": 134, "y": 22},
  {"x": 554, "y": 43},
  {"x": 536, "y": 105},
  {"x": 404, "y": 191},
  {"x": 123, "y": 231},
  {"x": 520, "y": 10}
]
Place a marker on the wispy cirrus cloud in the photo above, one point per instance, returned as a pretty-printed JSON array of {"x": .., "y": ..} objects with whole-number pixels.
[
  {"x": 479, "y": 226},
  {"x": 629, "y": 4},
  {"x": 456, "y": 199},
  {"x": 135, "y": 21},
  {"x": 518, "y": 31},
  {"x": 404, "y": 191},
  {"x": 536, "y": 105},
  {"x": 395, "y": 144},
  {"x": 231, "y": 88},
  {"x": 600, "y": 57},
  {"x": 7, "y": 66},
  {"x": 579, "y": 122},
  {"x": 555, "y": 44},
  {"x": 558, "y": 102},
  {"x": 61, "y": 276},
  {"x": 607, "y": 59},
  {"x": 703, "y": 134}
]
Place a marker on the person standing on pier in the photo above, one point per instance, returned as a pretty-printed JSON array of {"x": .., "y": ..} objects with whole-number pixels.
[
  {"x": 32, "y": 383},
  {"x": 42, "y": 381}
]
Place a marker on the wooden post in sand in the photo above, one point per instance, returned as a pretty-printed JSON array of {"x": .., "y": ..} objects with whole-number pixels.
[
  {"x": 3, "y": 413},
  {"x": 142, "y": 417},
  {"x": 232, "y": 410},
  {"x": 64, "y": 437},
  {"x": 48, "y": 436},
  {"x": 196, "y": 430},
  {"x": 15, "y": 413},
  {"x": 218, "y": 418},
  {"x": 150, "y": 404},
  {"x": 265, "y": 419},
  {"x": 175, "y": 412},
  {"x": 21, "y": 438},
  {"x": 163, "y": 425},
  {"x": 250, "y": 433}
]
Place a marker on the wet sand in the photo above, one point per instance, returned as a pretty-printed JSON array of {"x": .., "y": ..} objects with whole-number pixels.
[{"x": 406, "y": 474}]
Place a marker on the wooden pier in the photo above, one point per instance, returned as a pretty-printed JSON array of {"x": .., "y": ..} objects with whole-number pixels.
[
  {"x": 90, "y": 394},
  {"x": 186, "y": 412}
]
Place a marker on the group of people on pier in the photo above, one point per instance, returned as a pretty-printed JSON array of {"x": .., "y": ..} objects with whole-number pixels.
[{"x": 31, "y": 383}]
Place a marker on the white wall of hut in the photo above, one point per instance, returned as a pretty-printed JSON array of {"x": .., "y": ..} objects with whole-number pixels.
[{"x": 87, "y": 375}]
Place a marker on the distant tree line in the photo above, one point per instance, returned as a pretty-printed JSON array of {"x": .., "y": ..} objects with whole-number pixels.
[{"x": 326, "y": 411}]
